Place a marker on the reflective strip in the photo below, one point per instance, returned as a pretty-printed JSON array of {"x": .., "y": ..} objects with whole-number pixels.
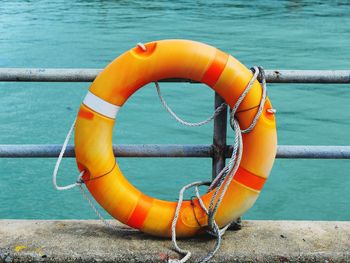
[{"x": 100, "y": 106}]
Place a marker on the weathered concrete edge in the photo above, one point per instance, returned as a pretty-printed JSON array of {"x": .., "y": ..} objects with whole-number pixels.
[{"x": 91, "y": 241}]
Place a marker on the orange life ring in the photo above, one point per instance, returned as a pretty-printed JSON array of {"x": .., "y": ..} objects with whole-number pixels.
[{"x": 138, "y": 67}]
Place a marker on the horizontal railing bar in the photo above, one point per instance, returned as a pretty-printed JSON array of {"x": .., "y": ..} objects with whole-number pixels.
[
  {"x": 88, "y": 75},
  {"x": 308, "y": 76},
  {"x": 171, "y": 150},
  {"x": 126, "y": 150},
  {"x": 313, "y": 152}
]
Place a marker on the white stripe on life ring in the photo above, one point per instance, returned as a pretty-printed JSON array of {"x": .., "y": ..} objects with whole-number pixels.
[{"x": 100, "y": 106}]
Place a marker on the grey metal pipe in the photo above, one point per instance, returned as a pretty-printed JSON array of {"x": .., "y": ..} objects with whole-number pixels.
[
  {"x": 219, "y": 138},
  {"x": 57, "y": 75},
  {"x": 88, "y": 75},
  {"x": 308, "y": 76},
  {"x": 313, "y": 152},
  {"x": 126, "y": 150},
  {"x": 170, "y": 150},
  {"x": 48, "y": 74},
  {"x": 308, "y": 152}
]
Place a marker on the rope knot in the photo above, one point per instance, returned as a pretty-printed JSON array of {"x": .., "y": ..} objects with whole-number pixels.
[
  {"x": 80, "y": 179},
  {"x": 79, "y": 182},
  {"x": 261, "y": 73},
  {"x": 257, "y": 71}
]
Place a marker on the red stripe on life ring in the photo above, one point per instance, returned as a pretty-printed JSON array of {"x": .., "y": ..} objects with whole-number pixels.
[
  {"x": 249, "y": 179},
  {"x": 215, "y": 69},
  {"x": 140, "y": 212}
]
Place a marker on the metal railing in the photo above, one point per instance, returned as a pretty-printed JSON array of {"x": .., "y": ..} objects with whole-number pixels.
[
  {"x": 87, "y": 75},
  {"x": 218, "y": 151}
]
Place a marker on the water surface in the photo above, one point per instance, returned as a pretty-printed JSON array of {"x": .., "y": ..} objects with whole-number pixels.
[{"x": 89, "y": 34}]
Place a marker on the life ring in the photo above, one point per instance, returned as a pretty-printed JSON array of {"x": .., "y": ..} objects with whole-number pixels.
[{"x": 136, "y": 68}]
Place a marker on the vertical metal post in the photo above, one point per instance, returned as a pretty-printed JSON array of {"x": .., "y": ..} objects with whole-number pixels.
[
  {"x": 219, "y": 138},
  {"x": 219, "y": 145}
]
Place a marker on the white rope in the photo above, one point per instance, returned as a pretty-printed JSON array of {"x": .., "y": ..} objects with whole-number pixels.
[
  {"x": 93, "y": 206},
  {"x": 186, "y": 123},
  {"x": 58, "y": 163},
  {"x": 224, "y": 178},
  {"x": 173, "y": 225}
]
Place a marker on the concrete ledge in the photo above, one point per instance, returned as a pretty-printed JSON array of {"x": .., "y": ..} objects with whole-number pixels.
[{"x": 91, "y": 241}]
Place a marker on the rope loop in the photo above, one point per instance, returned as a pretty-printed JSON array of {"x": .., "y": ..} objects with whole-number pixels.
[
  {"x": 58, "y": 163},
  {"x": 258, "y": 73},
  {"x": 223, "y": 179},
  {"x": 218, "y": 110}
]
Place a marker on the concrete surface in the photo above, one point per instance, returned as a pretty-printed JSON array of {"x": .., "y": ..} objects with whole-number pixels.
[{"x": 91, "y": 241}]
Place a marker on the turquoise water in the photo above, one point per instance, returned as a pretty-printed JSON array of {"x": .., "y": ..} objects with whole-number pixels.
[{"x": 89, "y": 34}]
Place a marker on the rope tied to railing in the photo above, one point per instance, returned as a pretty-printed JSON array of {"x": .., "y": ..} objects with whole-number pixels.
[{"x": 224, "y": 178}]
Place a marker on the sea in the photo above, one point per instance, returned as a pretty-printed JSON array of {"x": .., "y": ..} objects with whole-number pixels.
[{"x": 294, "y": 34}]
